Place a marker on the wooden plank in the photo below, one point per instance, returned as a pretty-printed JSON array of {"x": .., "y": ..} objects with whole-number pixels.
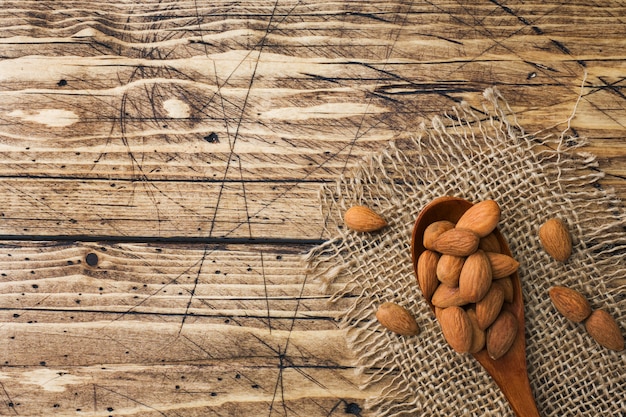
[
  {"x": 178, "y": 284},
  {"x": 184, "y": 329},
  {"x": 182, "y": 390},
  {"x": 168, "y": 209}
]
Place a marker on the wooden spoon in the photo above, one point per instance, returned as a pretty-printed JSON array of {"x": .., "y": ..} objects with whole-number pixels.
[{"x": 509, "y": 371}]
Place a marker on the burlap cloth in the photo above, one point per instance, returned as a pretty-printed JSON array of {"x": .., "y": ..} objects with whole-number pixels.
[{"x": 479, "y": 155}]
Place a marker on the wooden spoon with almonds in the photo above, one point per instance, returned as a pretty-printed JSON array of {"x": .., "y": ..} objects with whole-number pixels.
[{"x": 509, "y": 371}]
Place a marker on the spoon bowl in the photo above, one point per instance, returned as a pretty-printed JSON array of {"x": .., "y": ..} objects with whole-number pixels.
[{"x": 509, "y": 371}]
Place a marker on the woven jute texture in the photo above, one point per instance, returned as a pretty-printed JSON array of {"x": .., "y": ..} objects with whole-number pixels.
[{"x": 479, "y": 154}]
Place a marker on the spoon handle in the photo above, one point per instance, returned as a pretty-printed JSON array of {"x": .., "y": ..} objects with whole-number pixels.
[
  {"x": 514, "y": 384},
  {"x": 510, "y": 374}
]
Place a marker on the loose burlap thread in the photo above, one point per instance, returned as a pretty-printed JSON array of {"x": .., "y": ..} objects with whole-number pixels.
[{"x": 477, "y": 155}]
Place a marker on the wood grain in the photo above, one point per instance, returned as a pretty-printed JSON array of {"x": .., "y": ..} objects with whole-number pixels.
[
  {"x": 175, "y": 329},
  {"x": 183, "y": 143}
]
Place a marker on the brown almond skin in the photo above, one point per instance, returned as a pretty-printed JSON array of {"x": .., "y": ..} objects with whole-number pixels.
[
  {"x": 449, "y": 269},
  {"x": 445, "y": 296},
  {"x": 457, "y": 242},
  {"x": 603, "y": 328},
  {"x": 456, "y": 328},
  {"x": 490, "y": 243},
  {"x": 478, "y": 334},
  {"x": 488, "y": 309},
  {"x": 475, "y": 279},
  {"x": 397, "y": 319},
  {"x": 501, "y": 335},
  {"x": 434, "y": 230},
  {"x": 427, "y": 273},
  {"x": 556, "y": 239},
  {"x": 507, "y": 286},
  {"x": 481, "y": 218},
  {"x": 363, "y": 219},
  {"x": 501, "y": 265},
  {"x": 570, "y": 303}
]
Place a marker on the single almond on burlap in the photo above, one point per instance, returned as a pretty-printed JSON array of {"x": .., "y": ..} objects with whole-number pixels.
[
  {"x": 457, "y": 242},
  {"x": 490, "y": 243},
  {"x": 427, "y": 273},
  {"x": 556, "y": 239},
  {"x": 456, "y": 328},
  {"x": 449, "y": 269},
  {"x": 446, "y": 296},
  {"x": 501, "y": 265},
  {"x": 605, "y": 330},
  {"x": 478, "y": 334},
  {"x": 507, "y": 286},
  {"x": 363, "y": 219},
  {"x": 475, "y": 279},
  {"x": 489, "y": 307},
  {"x": 434, "y": 230},
  {"x": 481, "y": 218},
  {"x": 570, "y": 303},
  {"x": 397, "y": 319},
  {"x": 501, "y": 335}
]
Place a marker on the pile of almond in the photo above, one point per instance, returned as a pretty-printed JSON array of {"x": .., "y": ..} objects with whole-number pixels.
[{"x": 466, "y": 277}]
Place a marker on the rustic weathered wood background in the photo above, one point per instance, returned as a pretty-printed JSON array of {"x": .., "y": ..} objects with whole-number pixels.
[{"x": 160, "y": 166}]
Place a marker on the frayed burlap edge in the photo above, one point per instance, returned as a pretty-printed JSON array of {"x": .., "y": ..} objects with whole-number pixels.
[{"x": 477, "y": 155}]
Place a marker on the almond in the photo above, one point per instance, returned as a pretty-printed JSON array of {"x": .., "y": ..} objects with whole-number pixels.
[
  {"x": 489, "y": 307},
  {"x": 434, "y": 230},
  {"x": 490, "y": 243},
  {"x": 475, "y": 279},
  {"x": 507, "y": 286},
  {"x": 427, "y": 273},
  {"x": 604, "y": 330},
  {"x": 570, "y": 303},
  {"x": 457, "y": 242},
  {"x": 438, "y": 311},
  {"x": 397, "y": 319},
  {"x": 449, "y": 269},
  {"x": 556, "y": 239},
  {"x": 445, "y": 296},
  {"x": 481, "y": 218},
  {"x": 456, "y": 328},
  {"x": 363, "y": 219},
  {"x": 478, "y": 334},
  {"x": 501, "y": 265},
  {"x": 501, "y": 335}
]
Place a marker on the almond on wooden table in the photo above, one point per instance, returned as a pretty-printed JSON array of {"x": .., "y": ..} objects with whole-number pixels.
[
  {"x": 570, "y": 303},
  {"x": 556, "y": 239},
  {"x": 363, "y": 219},
  {"x": 397, "y": 319}
]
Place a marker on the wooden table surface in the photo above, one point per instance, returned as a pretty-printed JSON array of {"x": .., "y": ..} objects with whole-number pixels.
[{"x": 161, "y": 163}]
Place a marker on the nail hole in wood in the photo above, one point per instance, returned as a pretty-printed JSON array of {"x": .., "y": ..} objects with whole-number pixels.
[{"x": 91, "y": 259}]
